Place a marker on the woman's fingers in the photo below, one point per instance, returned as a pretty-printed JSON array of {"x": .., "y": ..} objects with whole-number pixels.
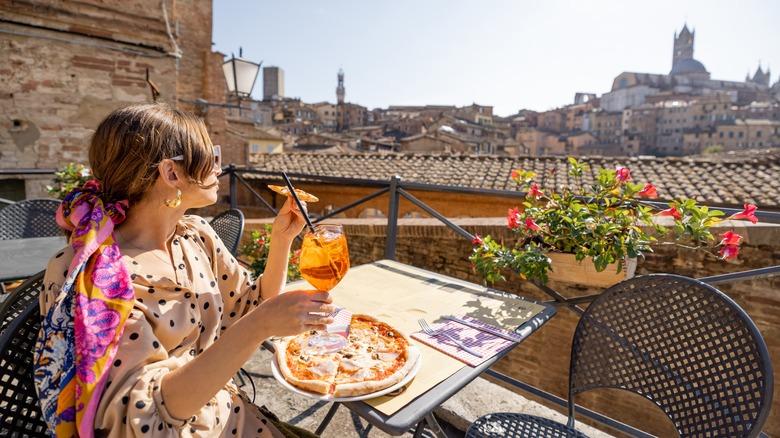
[
  {"x": 291, "y": 207},
  {"x": 321, "y": 297}
]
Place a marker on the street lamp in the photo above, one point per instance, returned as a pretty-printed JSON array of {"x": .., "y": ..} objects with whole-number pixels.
[{"x": 240, "y": 75}]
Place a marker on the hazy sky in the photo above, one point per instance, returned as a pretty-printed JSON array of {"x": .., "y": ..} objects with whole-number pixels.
[{"x": 511, "y": 54}]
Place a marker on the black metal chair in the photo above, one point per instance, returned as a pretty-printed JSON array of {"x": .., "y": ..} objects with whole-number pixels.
[
  {"x": 19, "y": 298},
  {"x": 676, "y": 341},
  {"x": 29, "y": 218},
  {"x": 229, "y": 226},
  {"x": 20, "y": 412}
]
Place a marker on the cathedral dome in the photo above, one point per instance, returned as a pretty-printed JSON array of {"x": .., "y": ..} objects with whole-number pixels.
[{"x": 688, "y": 66}]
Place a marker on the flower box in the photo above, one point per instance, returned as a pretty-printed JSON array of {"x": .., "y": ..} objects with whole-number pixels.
[
  {"x": 566, "y": 269},
  {"x": 605, "y": 219}
]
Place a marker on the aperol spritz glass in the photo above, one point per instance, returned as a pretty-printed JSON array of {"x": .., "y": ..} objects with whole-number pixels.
[{"x": 324, "y": 261}]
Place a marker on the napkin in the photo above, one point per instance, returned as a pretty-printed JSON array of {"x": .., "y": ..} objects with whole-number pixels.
[
  {"x": 340, "y": 324},
  {"x": 485, "y": 343}
]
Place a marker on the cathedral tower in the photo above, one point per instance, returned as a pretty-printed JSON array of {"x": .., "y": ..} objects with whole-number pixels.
[{"x": 683, "y": 45}]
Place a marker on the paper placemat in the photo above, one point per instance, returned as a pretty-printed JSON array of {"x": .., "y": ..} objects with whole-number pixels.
[
  {"x": 487, "y": 344},
  {"x": 400, "y": 295}
]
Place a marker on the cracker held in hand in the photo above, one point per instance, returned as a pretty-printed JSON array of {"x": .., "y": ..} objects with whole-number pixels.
[{"x": 303, "y": 196}]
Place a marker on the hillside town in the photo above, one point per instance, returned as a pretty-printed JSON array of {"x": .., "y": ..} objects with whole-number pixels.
[{"x": 684, "y": 112}]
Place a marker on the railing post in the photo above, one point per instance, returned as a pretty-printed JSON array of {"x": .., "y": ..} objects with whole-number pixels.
[
  {"x": 233, "y": 186},
  {"x": 392, "y": 218}
]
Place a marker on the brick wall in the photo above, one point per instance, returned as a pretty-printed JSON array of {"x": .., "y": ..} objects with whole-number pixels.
[
  {"x": 543, "y": 359},
  {"x": 66, "y": 65}
]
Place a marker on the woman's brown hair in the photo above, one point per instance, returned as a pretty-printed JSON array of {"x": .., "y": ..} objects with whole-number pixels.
[{"x": 130, "y": 142}]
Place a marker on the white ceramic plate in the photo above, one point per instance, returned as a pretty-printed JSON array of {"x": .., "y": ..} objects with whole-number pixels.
[{"x": 414, "y": 353}]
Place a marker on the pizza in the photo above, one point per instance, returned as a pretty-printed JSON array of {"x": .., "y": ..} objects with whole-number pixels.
[
  {"x": 376, "y": 356},
  {"x": 303, "y": 196}
]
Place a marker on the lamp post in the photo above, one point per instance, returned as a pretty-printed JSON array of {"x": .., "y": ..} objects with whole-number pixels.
[{"x": 240, "y": 75}]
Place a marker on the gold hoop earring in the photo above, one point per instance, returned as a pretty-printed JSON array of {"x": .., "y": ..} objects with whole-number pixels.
[{"x": 173, "y": 203}]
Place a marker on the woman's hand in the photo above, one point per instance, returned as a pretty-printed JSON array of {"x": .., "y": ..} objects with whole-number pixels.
[
  {"x": 288, "y": 223},
  {"x": 289, "y": 313}
]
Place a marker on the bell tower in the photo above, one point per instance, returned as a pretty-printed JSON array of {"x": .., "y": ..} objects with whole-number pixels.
[
  {"x": 683, "y": 45},
  {"x": 340, "y": 106}
]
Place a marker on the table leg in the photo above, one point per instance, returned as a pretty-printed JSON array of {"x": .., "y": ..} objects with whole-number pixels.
[
  {"x": 434, "y": 425},
  {"x": 418, "y": 431},
  {"x": 328, "y": 417},
  {"x": 366, "y": 430}
]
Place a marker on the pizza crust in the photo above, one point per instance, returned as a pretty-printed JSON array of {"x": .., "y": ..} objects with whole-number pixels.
[
  {"x": 314, "y": 385},
  {"x": 369, "y": 386}
]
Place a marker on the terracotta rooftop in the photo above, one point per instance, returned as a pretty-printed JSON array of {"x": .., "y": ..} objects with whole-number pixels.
[{"x": 717, "y": 181}]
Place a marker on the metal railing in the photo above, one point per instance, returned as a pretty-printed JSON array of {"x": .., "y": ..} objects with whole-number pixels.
[{"x": 396, "y": 189}]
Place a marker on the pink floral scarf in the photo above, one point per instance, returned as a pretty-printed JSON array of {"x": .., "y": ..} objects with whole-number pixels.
[{"x": 80, "y": 333}]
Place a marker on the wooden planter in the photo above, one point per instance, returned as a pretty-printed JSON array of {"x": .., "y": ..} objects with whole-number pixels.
[{"x": 566, "y": 269}]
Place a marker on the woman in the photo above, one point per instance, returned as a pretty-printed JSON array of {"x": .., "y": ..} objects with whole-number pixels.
[{"x": 147, "y": 316}]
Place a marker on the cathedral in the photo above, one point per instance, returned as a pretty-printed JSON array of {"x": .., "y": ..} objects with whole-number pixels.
[{"x": 688, "y": 76}]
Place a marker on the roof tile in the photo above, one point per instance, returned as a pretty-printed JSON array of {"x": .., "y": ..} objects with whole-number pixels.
[{"x": 732, "y": 181}]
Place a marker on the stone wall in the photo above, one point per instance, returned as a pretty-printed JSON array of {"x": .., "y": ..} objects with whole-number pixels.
[
  {"x": 543, "y": 359},
  {"x": 66, "y": 65}
]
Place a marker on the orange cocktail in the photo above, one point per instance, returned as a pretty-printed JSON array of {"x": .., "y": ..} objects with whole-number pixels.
[{"x": 324, "y": 257}]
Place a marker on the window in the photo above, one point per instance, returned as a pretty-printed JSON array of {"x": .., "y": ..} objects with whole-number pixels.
[
  {"x": 12, "y": 189},
  {"x": 255, "y": 148},
  {"x": 740, "y": 134},
  {"x": 731, "y": 134},
  {"x": 758, "y": 134}
]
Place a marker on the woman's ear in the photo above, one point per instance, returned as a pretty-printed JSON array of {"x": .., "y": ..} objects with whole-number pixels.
[{"x": 168, "y": 173}]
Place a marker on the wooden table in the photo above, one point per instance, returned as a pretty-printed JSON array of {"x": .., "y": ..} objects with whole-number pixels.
[{"x": 400, "y": 294}]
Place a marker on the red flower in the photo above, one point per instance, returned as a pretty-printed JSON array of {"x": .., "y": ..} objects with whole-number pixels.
[
  {"x": 671, "y": 211},
  {"x": 729, "y": 252},
  {"x": 730, "y": 238},
  {"x": 649, "y": 191},
  {"x": 513, "y": 218},
  {"x": 748, "y": 213},
  {"x": 477, "y": 240},
  {"x": 534, "y": 191},
  {"x": 623, "y": 174},
  {"x": 515, "y": 174},
  {"x": 729, "y": 245},
  {"x": 531, "y": 225}
]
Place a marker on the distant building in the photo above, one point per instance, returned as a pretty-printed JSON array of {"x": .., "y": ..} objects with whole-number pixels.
[
  {"x": 739, "y": 135},
  {"x": 688, "y": 75},
  {"x": 340, "y": 95},
  {"x": 327, "y": 113},
  {"x": 273, "y": 83}
]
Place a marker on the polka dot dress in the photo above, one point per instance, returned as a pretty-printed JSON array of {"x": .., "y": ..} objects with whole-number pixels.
[{"x": 179, "y": 312}]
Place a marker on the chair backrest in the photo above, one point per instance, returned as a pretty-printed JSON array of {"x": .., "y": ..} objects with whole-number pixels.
[
  {"x": 20, "y": 411},
  {"x": 683, "y": 345},
  {"x": 17, "y": 301},
  {"x": 229, "y": 226},
  {"x": 29, "y": 218}
]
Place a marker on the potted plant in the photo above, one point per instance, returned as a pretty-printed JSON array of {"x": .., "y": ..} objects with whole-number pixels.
[
  {"x": 594, "y": 235},
  {"x": 68, "y": 178},
  {"x": 255, "y": 252}
]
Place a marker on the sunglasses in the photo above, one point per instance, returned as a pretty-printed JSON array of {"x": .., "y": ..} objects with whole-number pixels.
[{"x": 217, "y": 157}]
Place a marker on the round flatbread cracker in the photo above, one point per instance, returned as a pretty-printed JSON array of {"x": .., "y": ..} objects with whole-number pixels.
[{"x": 303, "y": 196}]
